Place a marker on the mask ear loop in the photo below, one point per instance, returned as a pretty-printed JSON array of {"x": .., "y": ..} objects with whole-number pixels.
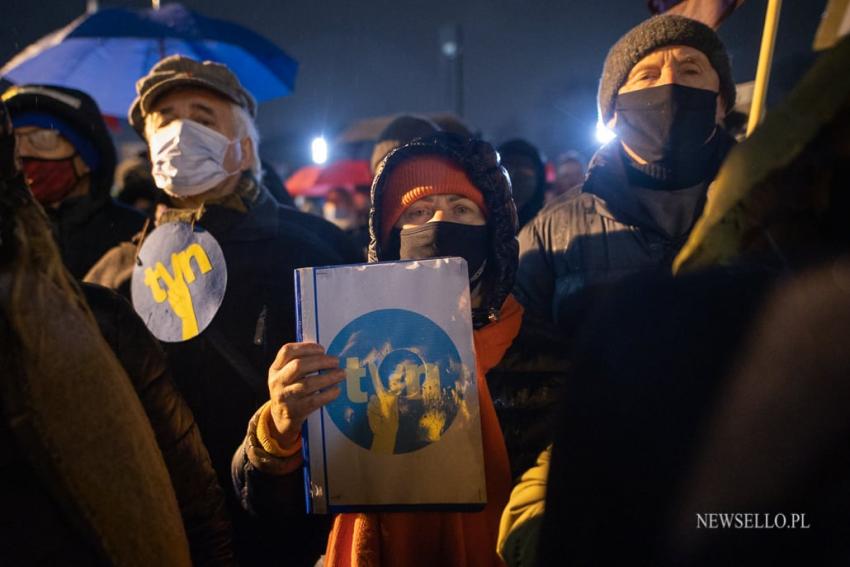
[{"x": 238, "y": 142}]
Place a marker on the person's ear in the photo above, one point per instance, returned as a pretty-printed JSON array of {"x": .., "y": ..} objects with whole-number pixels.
[{"x": 248, "y": 157}]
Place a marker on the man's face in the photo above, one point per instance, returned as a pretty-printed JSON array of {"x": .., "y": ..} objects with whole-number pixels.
[
  {"x": 675, "y": 64},
  {"x": 208, "y": 109},
  {"x": 569, "y": 174}
]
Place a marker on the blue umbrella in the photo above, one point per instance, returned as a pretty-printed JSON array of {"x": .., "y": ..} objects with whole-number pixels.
[{"x": 104, "y": 53}]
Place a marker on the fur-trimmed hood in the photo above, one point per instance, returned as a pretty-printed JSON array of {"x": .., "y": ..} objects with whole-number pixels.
[{"x": 480, "y": 161}]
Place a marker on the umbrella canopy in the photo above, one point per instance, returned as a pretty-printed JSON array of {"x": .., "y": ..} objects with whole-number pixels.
[
  {"x": 104, "y": 53},
  {"x": 315, "y": 181}
]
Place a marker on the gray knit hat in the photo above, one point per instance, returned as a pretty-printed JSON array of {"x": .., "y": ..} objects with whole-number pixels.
[{"x": 656, "y": 32}]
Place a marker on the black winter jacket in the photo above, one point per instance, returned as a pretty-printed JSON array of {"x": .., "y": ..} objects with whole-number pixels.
[
  {"x": 86, "y": 227},
  {"x": 201, "y": 499},
  {"x": 115, "y": 268},
  {"x": 222, "y": 373},
  {"x": 570, "y": 253},
  {"x": 610, "y": 229},
  {"x": 202, "y": 505}
]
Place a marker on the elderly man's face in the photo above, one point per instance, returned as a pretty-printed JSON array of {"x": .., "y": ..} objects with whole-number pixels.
[
  {"x": 675, "y": 64},
  {"x": 206, "y": 108}
]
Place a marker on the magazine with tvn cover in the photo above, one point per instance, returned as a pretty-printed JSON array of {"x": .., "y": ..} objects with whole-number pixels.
[{"x": 405, "y": 431}]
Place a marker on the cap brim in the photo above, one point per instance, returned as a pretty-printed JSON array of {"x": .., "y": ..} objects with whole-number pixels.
[{"x": 142, "y": 104}]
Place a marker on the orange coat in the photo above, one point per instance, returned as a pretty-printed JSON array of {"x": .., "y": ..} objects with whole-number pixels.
[{"x": 437, "y": 539}]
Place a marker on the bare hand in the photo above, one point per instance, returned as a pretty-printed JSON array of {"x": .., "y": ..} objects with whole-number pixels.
[{"x": 296, "y": 391}]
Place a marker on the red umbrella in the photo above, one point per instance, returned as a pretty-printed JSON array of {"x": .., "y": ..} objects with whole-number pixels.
[{"x": 315, "y": 181}]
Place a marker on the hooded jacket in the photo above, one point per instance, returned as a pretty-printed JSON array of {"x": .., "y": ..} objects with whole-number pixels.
[
  {"x": 481, "y": 163},
  {"x": 461, "y": 539},
  {"x": 613, "y": 228},
  {"x": 533, "y": 205},
  {"x": 85, "y": 227}
]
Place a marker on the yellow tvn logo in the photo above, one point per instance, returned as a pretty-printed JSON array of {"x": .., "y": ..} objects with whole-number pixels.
[
  {"x": 382, "y": 409},
  {"x": 176, "y": 284}
]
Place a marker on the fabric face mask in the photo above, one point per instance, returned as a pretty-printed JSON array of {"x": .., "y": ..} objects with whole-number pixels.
[
  {"x": 443, "y": 238},
  {"x": 50, "y": 180},
  {"x": 671, "y": 123},
  {"x": 188, "y": 158}
]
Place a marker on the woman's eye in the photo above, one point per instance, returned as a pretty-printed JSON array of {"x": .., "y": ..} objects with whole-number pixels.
[{"x": 461, "y": 210}]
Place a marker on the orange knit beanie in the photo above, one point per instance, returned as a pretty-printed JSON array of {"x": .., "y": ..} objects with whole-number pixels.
[{"x": 419, "y": 177}]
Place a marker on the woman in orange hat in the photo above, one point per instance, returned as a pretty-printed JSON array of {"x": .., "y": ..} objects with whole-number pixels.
[{"x": 441, "y": 196}]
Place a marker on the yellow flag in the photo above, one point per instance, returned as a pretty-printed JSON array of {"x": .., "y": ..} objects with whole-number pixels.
[{"x": 834, "y": 25}]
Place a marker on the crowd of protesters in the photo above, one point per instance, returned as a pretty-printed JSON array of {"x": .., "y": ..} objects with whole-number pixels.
[{"x": 619, "y": 402}]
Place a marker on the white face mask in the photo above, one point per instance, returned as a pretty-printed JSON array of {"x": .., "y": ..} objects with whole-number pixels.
[{"x": 188, "y": 158}]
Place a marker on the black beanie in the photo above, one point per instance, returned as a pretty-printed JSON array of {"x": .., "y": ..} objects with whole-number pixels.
[{"x": 654, "y": 33}]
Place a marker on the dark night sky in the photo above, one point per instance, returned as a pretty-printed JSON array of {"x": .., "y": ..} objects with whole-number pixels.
[{"x": 531, "y": 67}]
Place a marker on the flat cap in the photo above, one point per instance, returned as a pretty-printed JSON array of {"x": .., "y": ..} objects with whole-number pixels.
[{"x": 179, "y": 71}]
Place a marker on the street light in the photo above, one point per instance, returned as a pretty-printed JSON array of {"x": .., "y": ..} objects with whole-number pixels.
[
  {"x": 604, "y": 134},
  {"x": 319, "y": 149},
  {"x": 451, "y": 46}
]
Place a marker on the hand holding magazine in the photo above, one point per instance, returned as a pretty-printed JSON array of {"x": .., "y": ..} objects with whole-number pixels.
[{"x": 405, "y": 430}]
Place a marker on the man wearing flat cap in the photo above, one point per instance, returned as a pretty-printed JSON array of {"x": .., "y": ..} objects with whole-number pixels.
[
  {"x": 666, "y": 87},
  {"x": 198, "y": 121}
]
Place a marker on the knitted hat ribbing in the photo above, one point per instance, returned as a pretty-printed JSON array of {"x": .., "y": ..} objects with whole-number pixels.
[{"x": 420, "y": 177}]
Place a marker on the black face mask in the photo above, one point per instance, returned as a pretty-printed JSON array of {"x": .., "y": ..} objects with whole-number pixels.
[
  {"x": 442, "y": 238},
  {"x": 670, "y": 124}
]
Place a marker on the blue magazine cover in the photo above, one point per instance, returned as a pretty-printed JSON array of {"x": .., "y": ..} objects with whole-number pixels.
[{"x": 405, "y": 431}]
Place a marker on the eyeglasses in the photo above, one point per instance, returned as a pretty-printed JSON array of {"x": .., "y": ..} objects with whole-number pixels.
[{"x": 44, "y": 140}]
